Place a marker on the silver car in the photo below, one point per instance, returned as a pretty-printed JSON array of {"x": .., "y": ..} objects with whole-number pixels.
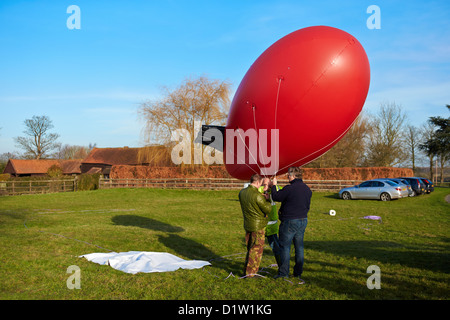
[
  {"x": 406, "y": 183},
  {"x": 382, "y": 189}
]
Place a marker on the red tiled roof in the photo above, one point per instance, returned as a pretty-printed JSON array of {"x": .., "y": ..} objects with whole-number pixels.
[
  {"x": 19, "y": 166},
  {"x": 71, "y": 166},
  {"x": 94, "y": 170},
  {"x": 113, "y": 156}
]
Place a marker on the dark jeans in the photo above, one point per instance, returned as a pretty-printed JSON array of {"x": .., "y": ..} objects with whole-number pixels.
[
  {"x": 274, "y": 243},
  {"x": 291, "y": 231}
]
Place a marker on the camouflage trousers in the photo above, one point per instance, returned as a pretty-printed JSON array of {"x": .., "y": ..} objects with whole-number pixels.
[{"x": 255, "y": 246}]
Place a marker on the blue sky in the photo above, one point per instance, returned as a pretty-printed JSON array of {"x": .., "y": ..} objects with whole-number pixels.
[{"x": 91, "y": 81}]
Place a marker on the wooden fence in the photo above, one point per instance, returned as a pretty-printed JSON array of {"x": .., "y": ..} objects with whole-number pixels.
[
  {"x": 213, "y": 183},
  {"x": 17, "y": 187}
]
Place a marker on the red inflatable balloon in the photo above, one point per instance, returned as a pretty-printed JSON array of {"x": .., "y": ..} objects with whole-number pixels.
[{"x": 295, "y": 102}]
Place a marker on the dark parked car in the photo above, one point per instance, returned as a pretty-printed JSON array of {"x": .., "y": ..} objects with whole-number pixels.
[
  {"x": 417, "y": 185},
  {"x": 429, "y": 186}
]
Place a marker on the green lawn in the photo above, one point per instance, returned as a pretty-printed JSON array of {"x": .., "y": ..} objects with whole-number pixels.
[{"x": 42, "y": 235}]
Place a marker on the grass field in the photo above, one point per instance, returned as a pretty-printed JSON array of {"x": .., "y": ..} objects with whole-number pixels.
[{"x": 42, "y": 235}]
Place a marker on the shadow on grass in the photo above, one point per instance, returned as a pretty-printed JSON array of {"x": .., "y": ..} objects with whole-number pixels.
[
  {"x": 144, "y": 222},
  {"x": 332, "y": 196},
  {"x": 185, "y": 247},
  {"x": 349, "y": 279},
  {"x": 434, "y": 258},
  {"x": 191, "y": 249}
]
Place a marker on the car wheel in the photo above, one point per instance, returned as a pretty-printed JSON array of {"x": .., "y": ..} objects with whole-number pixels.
[
  {"x": 346, "y": 196},
  {"x": 385, "y": 197}
]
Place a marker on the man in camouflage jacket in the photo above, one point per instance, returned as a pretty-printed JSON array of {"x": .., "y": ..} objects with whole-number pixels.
[{"x": 255, "y": 210}]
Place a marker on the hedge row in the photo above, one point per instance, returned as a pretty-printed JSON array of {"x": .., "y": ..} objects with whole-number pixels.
[{"x": 146, "y": 172}]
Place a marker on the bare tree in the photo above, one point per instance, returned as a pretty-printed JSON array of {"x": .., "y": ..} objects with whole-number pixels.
[
  {"x": 4, "y": 157},
  {"x": 384, "y": 143},
  {"x": 38, "y": 142},
  {"x": 349, "y": 151},
  {"x": 67, "y": 151},
  {"x": 412, "y": 141},
  {"x": 157, "y": 155},
  {"x": 199, "y": 99}
]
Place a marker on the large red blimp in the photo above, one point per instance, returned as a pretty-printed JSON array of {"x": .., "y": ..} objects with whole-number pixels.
[{"x": 296, "y": 101}]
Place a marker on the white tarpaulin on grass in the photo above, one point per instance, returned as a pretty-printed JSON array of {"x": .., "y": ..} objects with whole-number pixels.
[{"x": 141, "y": 261}]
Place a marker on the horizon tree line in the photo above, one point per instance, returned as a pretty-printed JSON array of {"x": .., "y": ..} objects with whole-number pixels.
[{"x": 381, "y": 139}]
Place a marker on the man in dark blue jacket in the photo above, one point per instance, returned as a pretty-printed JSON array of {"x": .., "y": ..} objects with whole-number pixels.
[{"x": 295, "y": 201}]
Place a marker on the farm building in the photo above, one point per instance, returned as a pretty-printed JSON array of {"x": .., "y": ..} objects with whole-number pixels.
[
  {"x": 100, "y": 160},
  {"x": 22, "y": 168}
]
